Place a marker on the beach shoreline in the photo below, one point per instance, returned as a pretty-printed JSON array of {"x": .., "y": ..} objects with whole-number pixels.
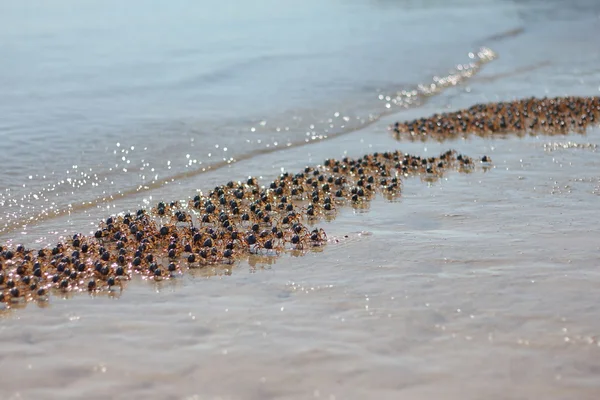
[{"x": 474, "y": 285}]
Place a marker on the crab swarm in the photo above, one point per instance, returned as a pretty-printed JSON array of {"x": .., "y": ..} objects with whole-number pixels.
[
  {"x": 231, "y": 222},
  {"x": 559, "y": 115}
]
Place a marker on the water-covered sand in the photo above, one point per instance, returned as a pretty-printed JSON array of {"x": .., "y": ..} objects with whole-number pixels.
[{"x": 479, "y": 285}]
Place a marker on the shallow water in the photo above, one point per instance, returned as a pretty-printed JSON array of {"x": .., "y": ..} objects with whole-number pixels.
[{"x": 477, "y": 286}]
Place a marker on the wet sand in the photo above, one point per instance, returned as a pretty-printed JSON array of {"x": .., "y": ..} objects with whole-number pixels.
[{"x": 480, "y": 306}]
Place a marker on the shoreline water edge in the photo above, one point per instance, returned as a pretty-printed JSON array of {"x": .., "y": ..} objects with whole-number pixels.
[{"x": 242, "y": 218}]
